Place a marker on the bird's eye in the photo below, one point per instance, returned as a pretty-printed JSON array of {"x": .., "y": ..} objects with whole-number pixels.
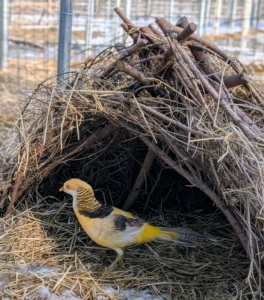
[{"x": 68, "y": 186}]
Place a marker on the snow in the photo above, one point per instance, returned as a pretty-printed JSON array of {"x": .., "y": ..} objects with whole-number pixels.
[
  {"x": 131, "y": 294},
  {"x": 44, "y": 293},
  {"x": 36, "y": 269}
]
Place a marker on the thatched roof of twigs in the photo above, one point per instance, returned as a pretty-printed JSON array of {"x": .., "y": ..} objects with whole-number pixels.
[{"x": 193, "y": 108}]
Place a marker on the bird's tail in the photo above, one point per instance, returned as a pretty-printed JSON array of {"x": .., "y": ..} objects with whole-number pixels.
[{"x": 185, "y": 237}]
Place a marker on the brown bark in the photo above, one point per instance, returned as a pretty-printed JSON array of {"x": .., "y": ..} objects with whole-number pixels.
[{"x": 144, "y": 171}]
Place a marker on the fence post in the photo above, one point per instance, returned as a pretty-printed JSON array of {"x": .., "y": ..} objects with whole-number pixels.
[
  {"x": 232, "y": 15},
  {"x": 115, "y": 23},
  {"x": 137, "y": 9},
  {"x": 201, "y": 17},
  {"x": 217, "y": 17},
  {"x": 4, "y": 34},
  {"x": 127, "y": 13},
  {"x": 148, "y": 8},
  {"x": 171, "y": 12},
  {"x": 207, "y": 16},
  {"x": 246, "y": 16},
  {"x": 257, "y": 13},
  {"x": 89, "y": 28},
  {"x": 108, "y": 9},
  {"x": 64, "y": 51}
]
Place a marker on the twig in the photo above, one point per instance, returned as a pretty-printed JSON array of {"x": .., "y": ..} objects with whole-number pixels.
[
  {"x": 144, "y": 171},
  {"x": 132, "y": 31},
  {"x": 14, "y": 193},
  {"x": 133, "y": 72},
  {"x": 156, "y": 32},
  {"x": 187, "y": 32},
  {"x": 236, "y": 80},
  {"x": 150, "y": 36},
  {"x": 126, "y": 53},
  {"x": 140, "y": 76}
]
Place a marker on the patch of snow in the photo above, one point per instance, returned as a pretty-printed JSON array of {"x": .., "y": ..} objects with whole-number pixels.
[
  {"x": 36, "y": 269},
  {"x": 131, "y": 294},
  {"x": 44, "y": 293},
  {"x": 68, "y": 294}
]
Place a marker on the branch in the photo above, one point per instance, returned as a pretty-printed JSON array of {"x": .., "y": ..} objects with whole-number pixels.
[
  {"x": 187, "y": 32},
  {"x": 144, "y": 171},
  {"x": 14, "y": 192},
  {"x": 126, "y": 53},
  {"x": 236, "y": 80}
]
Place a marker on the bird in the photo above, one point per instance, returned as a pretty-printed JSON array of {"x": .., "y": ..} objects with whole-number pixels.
[{"x": 117, "y": 229}]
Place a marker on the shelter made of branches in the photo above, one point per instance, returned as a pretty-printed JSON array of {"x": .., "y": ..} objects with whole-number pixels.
[{"x": 194, "y": 108}]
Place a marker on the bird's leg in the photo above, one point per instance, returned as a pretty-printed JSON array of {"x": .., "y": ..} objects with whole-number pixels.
[{"x": 120, "y": 255}]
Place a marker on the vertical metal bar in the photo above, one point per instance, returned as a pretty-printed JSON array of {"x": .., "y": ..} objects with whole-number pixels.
[
  {"x": 171, "y": 10},
  {"x": 254, "y": 13},
  {"x": 65, "y": 30},
  {"x": 258, "y": 13},
  {"x": 148, "y": 8},
  {"x": 201, "y": 17},
  {"x": 253, "y": 16},
  {"x": 128, "y": 8},
  {"x": 246, "y": 16},
  {"x": 217, "y": 17},
  {"x": 232, "y": 17},
  {"x": 108, "y": 9},
  {"x": 137, "y": 9},
  {"x": 207, "y": 16},
  {"x": 50, "y": 7},
  {"x": 89, "y": 28},
  {"x": 4, "y": 34},
  {"x": 116, "y": 20},
  {"x": 127, "y": 13}
]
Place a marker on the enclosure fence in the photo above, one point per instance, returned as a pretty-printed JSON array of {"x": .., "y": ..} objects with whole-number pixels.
[{"x": 30, "y": 29}]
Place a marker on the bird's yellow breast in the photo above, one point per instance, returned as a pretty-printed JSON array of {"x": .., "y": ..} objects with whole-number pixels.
[{"x": 99, "y": 230}]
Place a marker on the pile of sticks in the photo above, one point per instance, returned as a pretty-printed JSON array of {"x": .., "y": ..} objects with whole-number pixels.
[
  {"x": 174, "y": 55},
  {"x": 193, "y": 106}
]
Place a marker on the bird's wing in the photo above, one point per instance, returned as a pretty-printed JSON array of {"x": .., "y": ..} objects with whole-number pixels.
[
  {"x": 126, "y": 223},
  {"x": 130, "y": 229}
]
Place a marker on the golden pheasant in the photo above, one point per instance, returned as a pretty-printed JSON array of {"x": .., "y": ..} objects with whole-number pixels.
[{"x": 116, "y": 229}]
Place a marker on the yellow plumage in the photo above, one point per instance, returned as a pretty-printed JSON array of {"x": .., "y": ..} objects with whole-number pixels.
[{"x": 116, "y": 229}]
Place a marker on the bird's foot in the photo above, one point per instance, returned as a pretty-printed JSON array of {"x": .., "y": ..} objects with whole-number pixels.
[{"x": 119, "y": 259}]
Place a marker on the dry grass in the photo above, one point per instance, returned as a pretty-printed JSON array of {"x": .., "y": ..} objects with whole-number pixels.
[{"x": 41, "y": 244}]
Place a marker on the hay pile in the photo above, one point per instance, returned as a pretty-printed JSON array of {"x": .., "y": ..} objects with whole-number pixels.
[
  {"x": 170, "y": 100},
  {"x": 45, "y": 255}
]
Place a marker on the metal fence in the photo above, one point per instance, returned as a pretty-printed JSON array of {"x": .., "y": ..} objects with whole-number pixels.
[{"x": 30, "y": 29}]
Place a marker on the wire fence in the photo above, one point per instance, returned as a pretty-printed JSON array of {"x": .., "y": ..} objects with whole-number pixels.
[{"x": 30, "y": 29}]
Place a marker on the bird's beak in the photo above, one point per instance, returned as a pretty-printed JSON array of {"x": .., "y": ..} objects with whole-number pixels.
[{"x": 61, "y": 189}]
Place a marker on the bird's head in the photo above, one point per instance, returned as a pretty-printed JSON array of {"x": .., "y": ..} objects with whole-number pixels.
[{"x": 71, "y": 187}]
